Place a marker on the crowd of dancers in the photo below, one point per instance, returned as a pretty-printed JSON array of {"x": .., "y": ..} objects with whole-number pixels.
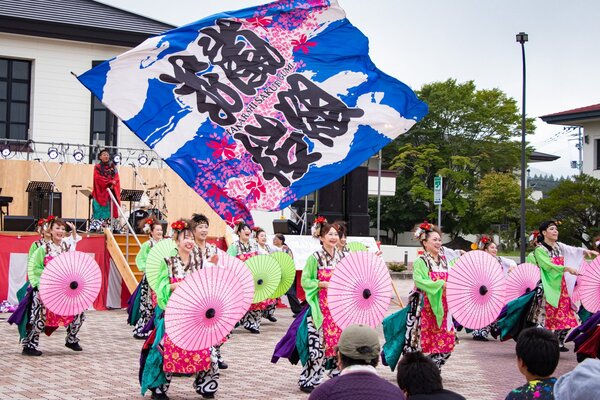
[{"x": 313, "y": 336}]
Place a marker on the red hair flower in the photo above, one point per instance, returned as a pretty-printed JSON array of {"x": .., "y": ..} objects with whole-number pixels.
[
  {"x": 426, "y": 226},
  {"x": 179, "y": 225},
  {"x": 41, "y": 222},
  {"x": 319, "y": 220}
]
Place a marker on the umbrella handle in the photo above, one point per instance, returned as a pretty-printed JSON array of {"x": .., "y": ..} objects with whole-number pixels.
[{"x": 399, "y": 302}]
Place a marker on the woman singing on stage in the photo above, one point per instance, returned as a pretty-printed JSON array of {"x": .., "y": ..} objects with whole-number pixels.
[{"x": 106, "y": 177}]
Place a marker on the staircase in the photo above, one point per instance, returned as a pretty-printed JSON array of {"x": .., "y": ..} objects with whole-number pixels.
[{"x": 123, "y": 251}]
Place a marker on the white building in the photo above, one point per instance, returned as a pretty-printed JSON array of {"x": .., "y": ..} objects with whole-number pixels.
[
  {"x": 589, "y": 119},
  {"x": 41, "y": 44}
]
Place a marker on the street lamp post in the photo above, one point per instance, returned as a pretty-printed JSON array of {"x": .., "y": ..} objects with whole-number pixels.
[{"x": 522, "y": 37}]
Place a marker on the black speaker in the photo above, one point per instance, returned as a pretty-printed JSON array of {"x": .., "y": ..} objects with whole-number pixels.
[
  {"x": 358, "y": 225},
  {"x": 331, "y": 198},
  {"x": 332, "y": 216},
  {"x": 38, "y": 205},
  {"x": 80, "y": 224},
  {"x": 357, "y": 191},
  {"x": 286, "y": 227},
  {"x": 19, "y": 223}
]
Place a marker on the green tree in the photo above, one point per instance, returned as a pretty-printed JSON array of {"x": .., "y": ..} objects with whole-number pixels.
[
  {"x": 576, "y": 203},
  {"x": 467, "y": 134},
  {"x": 497, "y": 201}
]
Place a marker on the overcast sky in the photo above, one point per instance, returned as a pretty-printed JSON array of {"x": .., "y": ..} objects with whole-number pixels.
[{"x": 421, "y": 42}]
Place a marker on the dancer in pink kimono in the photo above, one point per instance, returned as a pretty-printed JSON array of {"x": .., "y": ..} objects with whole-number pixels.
[
  {"x": 430, "y": 272},
  {"x": 558, "y": 264},
  {"x": 323, "y": 333},
  {"x": 175, "y": 360}
]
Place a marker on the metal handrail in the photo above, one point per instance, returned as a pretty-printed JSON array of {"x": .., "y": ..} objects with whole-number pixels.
[{"x": 130, "y": 229}]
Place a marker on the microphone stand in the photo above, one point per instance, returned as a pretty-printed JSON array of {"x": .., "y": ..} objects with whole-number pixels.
[
  {"x": 52, "y": 184},
  {"x": 76, "y": 193},
  {"x": 166, "y": 187}
]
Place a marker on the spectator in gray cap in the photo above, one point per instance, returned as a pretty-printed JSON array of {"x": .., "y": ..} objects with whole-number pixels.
[
  {"x": 358, "y": 355},
  {"x": 583, "y": 383}
]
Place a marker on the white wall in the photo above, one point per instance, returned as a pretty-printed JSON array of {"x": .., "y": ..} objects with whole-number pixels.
[
  {"x": 388, "y": 186},
  {"x": 592, "y": 131},
  {"x": 60, "y": 105}
]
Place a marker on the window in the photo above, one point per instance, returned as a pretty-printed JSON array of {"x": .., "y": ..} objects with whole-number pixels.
[
  {"x": 15, "y": 85},
  {"x": 103, "y": 125},
  {"x": 597, "y": 153}
]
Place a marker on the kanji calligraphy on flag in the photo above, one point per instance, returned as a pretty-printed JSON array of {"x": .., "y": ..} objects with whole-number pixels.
[{"x": 258, "y": 107}]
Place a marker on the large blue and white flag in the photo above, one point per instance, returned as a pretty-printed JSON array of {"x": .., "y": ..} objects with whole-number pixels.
[{"x": 258, "y": 107}]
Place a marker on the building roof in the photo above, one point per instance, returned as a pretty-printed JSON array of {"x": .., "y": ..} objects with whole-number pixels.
[
  {"x": 80, "y": 20},
  {"x": 536, "y": 156},
  {"x": 574, "y": 116}
]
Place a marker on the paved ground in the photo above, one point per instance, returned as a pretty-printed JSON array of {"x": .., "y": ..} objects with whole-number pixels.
[{"x": 107, "y": 368}]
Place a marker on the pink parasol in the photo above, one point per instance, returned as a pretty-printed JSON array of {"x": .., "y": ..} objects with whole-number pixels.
[
  {"x": 522, "y": 279},
  {"x": 242, "y": 272},
  {"x": 360, "y": 290},
  {"x": 70, "y": 283},
  {"x": 205, "y": 307},
  {"x": 588, "y": 286},
  {"x": 475, "y": 289}
]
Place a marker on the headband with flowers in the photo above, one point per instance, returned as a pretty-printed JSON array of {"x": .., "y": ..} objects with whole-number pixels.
[
  {"x": 239, "y": 225},
  {"x": 483, "y": 241},
  {"x": 423, "y": 228},
  {"x": 534, "y": 235},
  {"x": 148, "y": 225},
  {"x": 41, "y": 222},
  {"x": 317, "y": 225},
  {"x": 178, "y": 226}
]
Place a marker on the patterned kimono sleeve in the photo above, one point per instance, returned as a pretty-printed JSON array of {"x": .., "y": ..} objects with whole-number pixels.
[
  {"x": 163, "y": 286},
  {"x": 433, "y": 289},
  {"x": 310, "y": 284},
  {"x": 35, "y": 266},
  {"x": 142, "y": 256},
  {"x": 551, "y": 275}
]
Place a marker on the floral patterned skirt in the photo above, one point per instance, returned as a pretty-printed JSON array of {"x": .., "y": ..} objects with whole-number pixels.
[
  {"x": 54, "y": 320},
  {"x": 561, "y": 317},
  {"x": 178, "y": 360},
  {"x": 434, "y": 339}
]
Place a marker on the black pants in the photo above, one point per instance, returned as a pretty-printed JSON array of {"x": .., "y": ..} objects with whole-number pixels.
[{"x": 292, "y": 296}]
